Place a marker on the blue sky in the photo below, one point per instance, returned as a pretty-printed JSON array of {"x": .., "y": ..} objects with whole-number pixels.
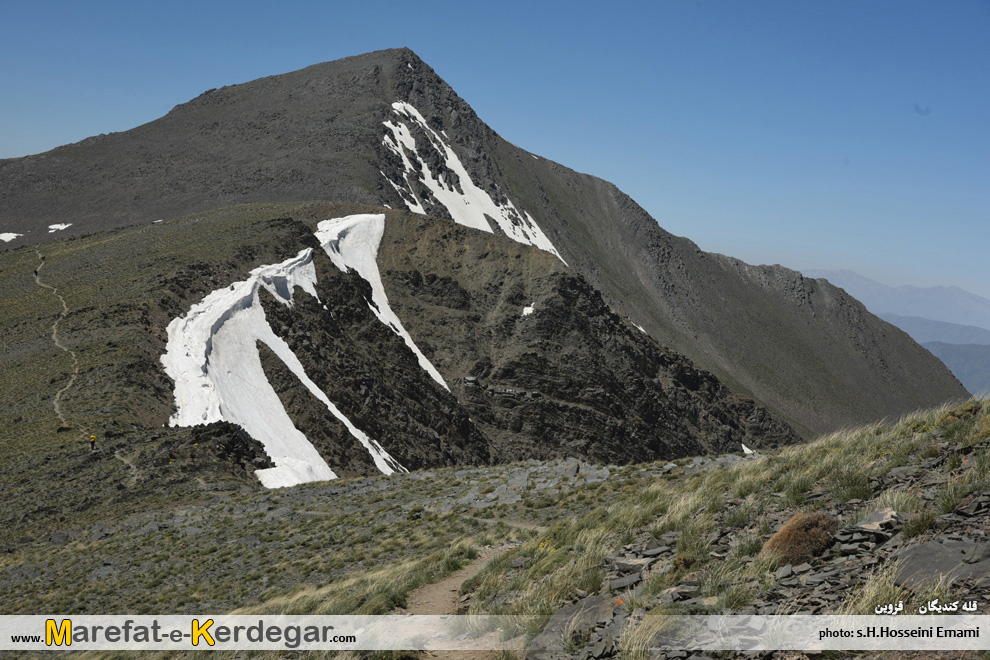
[{"x": 813, "y": 134}]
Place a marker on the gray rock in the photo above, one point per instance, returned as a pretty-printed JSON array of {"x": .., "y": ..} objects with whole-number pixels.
[
  {"x": 60, "y": 538},
  {"x": 689, "y": 589},
  {"x": 150, "y": 528},
  {"x": 958, "y": 559},
  {"x": 973, "y": 505},
  {"x": 624, "y": 582},
  {"x": 577, "y": 619},
  {"x": 624, "y": 566}
]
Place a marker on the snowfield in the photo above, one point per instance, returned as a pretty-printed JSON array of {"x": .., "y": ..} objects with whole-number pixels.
[
  {"x": 467, "y": 204},
  {"x": 212, "y": 356},
  {"x": 352, "y": 242},
  {"x": 7, "y": 237}
]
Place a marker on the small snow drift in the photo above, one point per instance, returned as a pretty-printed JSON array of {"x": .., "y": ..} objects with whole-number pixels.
[
  {"x": 59, "y": 227},
  {"x": 7, "y": 237},
  {"x": 352, "y": 242},
  {"x": 467, "y": 204},
  {"x": 212, "y": 356}
]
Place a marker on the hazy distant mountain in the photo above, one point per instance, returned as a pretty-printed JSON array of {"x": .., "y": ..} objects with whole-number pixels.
[
  {"x": 384, "y": 129},
  {"x": 941, "y": 303},
  {"x": 952, "y": 323},
  {"x": 969, "y": 362},
  {"x": 926, "y": 330}
]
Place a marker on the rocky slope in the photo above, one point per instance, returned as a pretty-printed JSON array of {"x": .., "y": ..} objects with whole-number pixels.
[
  {"x": 543, "y": 365},
  {"x": 571, "y": 378},
  {"x": 384, "y": 129}
]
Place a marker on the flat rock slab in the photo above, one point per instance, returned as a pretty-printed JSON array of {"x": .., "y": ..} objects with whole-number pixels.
[
  {"x": 575, "y": 619},
  {"x": 625, "y": 582},
  {"x": 881, "y": 520},
  {"x": 624, "y": 565},
  {"x": 958, "y": 559}
]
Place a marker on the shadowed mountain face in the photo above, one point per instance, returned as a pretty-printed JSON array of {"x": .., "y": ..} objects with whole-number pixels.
[{"x": 384, "y": 129}]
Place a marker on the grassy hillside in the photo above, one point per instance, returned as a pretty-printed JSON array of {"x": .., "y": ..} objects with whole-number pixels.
[{"x": 361, "y": 546}]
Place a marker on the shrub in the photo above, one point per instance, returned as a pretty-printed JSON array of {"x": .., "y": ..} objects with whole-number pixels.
[{"x": 803, "y": 537}]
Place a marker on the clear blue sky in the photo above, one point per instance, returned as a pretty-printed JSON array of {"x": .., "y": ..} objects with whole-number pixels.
[{"x": 813, "y": 134}]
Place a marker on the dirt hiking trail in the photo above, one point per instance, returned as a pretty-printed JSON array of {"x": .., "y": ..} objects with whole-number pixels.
[
  {"x": 443, "y": 597},
  {"x": 57, "y": 401}
]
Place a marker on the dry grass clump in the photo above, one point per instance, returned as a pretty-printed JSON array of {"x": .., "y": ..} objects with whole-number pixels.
[
  {"x": 966, "y": 411},
  {"x": 803, "y": 537}
]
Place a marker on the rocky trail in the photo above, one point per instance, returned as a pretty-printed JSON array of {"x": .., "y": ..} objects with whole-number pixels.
[
  {"x": 57, "y": 401},
  {"x": 136, "y": 472},
  {"x": 443, "y": 596}
]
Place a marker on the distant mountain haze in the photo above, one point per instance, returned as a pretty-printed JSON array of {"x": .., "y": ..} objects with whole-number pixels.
[
  {"x": 927, "y": 330},
  {"x": 382, "y": 129},
  {"x": 969, "y": 362},
  {"x": 952, "y": 323},
  {"x": 948, "y": 304}
]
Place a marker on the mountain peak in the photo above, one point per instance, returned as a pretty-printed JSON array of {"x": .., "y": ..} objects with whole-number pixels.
[{"x": 383, "y": 129}]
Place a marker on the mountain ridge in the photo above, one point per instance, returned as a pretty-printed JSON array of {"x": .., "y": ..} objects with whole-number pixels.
[{"x": 324, "y": 133}]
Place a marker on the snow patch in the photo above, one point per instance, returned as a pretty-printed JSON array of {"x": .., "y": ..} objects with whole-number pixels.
[
  {"x": 8, "y": 237},
  {"x": 213, "y": 358},
  {"x": 528, "y": 309},
  {"x": 640, "y": 328},
  {"x": 467, "y": 204},
  {"x": 746, "y": 450},
  {"x": 54, "y": 228},
  {"x": 352, "y": 242}
]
